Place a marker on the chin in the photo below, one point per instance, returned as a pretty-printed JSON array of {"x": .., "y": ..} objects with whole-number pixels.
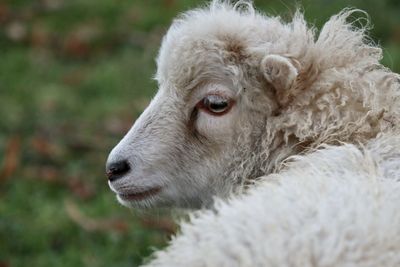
[
  {"x": 146, "y": 203},
  {"x": 160, "y": 200}
]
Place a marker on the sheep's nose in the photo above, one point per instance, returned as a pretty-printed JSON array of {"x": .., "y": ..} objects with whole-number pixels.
[{"x": 116, "y": 170}]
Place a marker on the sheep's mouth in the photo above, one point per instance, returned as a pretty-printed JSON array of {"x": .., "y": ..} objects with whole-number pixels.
[{"x": 136, "y": 196}]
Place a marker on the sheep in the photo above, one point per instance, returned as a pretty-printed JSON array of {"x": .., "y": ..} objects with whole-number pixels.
[
  {"x": 338, "y": 206},
  {"x": 239, "y": 93},
  {"x": 290, "y": 139}
]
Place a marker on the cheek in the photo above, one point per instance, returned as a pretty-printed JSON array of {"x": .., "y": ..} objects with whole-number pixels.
[{"x": 218, "y": 128}]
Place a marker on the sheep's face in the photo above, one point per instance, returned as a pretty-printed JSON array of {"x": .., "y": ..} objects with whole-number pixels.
[
  {"x": 187, "y": 147},
  {"x": 200, "y": 136}
]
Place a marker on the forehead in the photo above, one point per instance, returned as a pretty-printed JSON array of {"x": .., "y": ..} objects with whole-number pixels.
[{"x": 206, "y": 45}]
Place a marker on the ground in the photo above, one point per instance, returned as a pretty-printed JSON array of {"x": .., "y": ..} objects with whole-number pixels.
[{"x": 74, "y": 75}]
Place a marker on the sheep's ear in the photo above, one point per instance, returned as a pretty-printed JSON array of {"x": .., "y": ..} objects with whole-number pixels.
[{"x": 279, "y": 71}]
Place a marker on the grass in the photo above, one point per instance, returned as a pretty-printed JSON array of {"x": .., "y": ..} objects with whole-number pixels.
[{"x": 74, "y": 75}]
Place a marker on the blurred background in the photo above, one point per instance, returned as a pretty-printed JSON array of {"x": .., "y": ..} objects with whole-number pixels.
[{"x": 74, "y": 76}]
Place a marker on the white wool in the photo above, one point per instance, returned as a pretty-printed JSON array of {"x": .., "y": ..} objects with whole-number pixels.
[
  {"x": 295, "y": 93},
  {"x": 290, "y": 88},
  {"x": 338, "y": 206},
  {"x": 325, "y": 205}
]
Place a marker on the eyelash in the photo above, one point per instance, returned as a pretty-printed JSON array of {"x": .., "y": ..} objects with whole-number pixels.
[{"x": 206, "y": 106}]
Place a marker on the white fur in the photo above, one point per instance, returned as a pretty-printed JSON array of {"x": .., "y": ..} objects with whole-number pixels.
[
  {"x": 339, "y": 206},
  {"x": 292, "y": 91}
]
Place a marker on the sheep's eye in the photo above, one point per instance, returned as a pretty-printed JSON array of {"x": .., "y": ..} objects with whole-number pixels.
[{"x": 215, "y": 104}]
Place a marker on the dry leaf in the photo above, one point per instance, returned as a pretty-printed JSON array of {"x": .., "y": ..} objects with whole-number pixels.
[
  {"x": 169, "y": 3},
  {"x": 11, "y": 157},
  {"x": 40, "y": 36},
  {"x": 79, "y": 43},
  {"x": 76, "y": 47},
  {"x": 43, "y": 147},
  {"x": 4, "y": 12}
]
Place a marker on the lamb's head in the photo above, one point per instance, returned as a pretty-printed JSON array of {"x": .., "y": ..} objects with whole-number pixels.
[
  {"x": 200, "y": 135},
  {"x": 226, "y": 110}
]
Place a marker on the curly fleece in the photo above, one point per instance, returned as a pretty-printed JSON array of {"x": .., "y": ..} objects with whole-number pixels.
[
  {"x": 338, "y": 206},
  {"x": 335, "y": 206}
]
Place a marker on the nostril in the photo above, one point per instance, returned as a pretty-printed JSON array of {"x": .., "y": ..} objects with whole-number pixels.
[{"x": 116, "y": 169}]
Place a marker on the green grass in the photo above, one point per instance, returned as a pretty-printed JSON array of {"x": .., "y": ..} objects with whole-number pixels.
[{"x": 71, "y": 85}]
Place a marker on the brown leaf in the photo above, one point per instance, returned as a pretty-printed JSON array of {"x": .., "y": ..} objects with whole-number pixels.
[
  {"x": 4, "y": 12},
  {"x": 76, "y": 47},
  {"x": 40, "y": 36},
  {"x": 43, "y": 147},
  {"x": 93, "y": 225},
  {"x": 11, "y": 157},
  {"x": 396, "y": 35},
  {"x": 79, "y": 42},
  {"x": 169, "y": 3}
]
